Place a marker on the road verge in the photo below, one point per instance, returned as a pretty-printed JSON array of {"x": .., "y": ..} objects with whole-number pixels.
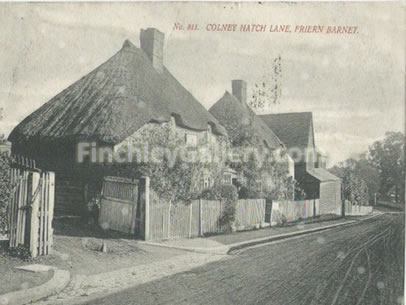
[
  {"x": 58, "y": 282},
  {"x": 227, "y": 249}
]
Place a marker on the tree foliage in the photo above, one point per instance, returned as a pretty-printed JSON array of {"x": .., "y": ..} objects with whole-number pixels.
[
  {"x": 2, "y": 137},
  {"x": 269, "y": 179},
  {"x": 370, "y": 175},
  {"x": 387, "y": 156},
  {"x": 269, "y": 91},
  {"x": 172, "y": 179},
  {"x": 4, "y": 182},
  {"x": 355, "y": 174}
]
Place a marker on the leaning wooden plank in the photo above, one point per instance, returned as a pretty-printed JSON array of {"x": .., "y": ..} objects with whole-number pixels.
[
  {"x": 11, "y": 220},
  {"x": 17, "y": 215},
  {"x": 34, "y": 215},
  {"x": 134, "y": 209},
  {"x": 47, "y": 216},
  {"x": 45, "y": 223},
  {"x": 45, "y": 220},
  {"x": 19, "y": 210},
  {"x": 41, "y": 220},
  {"x": 51, "y": 210},
  {"x": 23, "y": 206},
  {"x": 11, "y": 217}
]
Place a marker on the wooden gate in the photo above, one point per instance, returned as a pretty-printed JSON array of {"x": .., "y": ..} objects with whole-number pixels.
[
  {"x": 30, "y": 210},
  {"x": 118, "y": 210}
]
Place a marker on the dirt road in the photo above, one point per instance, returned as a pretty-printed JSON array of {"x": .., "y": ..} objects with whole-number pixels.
[{"x": 356, "y": 264}]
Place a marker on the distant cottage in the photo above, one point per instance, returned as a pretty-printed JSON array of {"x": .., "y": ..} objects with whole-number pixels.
[
  {"x": 234, "y": 113},
  {"x": 296, "y": 131},
  {"x": 130, "y": 91}
]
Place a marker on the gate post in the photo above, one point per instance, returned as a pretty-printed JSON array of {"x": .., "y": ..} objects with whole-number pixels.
[
  {"x": 35, "y": 193},
  {"x": 146, "y": 222}
]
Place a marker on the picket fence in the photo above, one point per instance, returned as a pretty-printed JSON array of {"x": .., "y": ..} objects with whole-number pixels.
[
  {"x": 289, "y": 211},
  {"x": 132, "y": 207},
  {"x": 198, "y": 218},
  {"x": 30, "y": 209}
]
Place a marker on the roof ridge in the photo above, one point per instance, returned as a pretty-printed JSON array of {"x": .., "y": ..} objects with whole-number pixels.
[
  {"x": 128, "y": 44},
  {"x": 228, "y": 102},
  {"x": 287, "y": 113}
]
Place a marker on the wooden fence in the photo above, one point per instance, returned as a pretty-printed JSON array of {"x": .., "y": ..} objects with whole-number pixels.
[
  {"x": 250, "y": 212},
  {"x": 289, "y": 211},
  {"x": 132, "y": 207},
  {"x": 356, "y": 210},
  {"x": 30, "y": 210},
  {"x": 200, "y": 217},
  {"x": 119, "y": 204}
]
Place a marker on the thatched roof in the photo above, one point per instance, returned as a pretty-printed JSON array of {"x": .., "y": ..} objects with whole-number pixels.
[
  {"x": 113, "y": 101},
  {"x": 294, "y": 128},
  {"x": 229, "y": 108}
]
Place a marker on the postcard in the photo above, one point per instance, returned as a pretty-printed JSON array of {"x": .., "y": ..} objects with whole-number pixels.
[{"x": 202, "y": 153}]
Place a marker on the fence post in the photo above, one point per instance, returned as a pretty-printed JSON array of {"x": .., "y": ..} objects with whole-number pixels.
[
  {"x": 169, "y": 218},
  {"x": 343, "y": 208},
  {"x": 200, "y": 218},
  {"x": 190, "y": 219},
  {"x": 146, "y": 223},
  {"x": 314, "y": 207},
  {"x": 36, "y": 196}
]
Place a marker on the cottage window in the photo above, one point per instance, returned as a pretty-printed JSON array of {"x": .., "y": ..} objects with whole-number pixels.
[
  {"x": 206, "y": 183},
  {"x": 227, "y": 179},
  {"x": 208, "y": 134},
  {"x": 191, "y": 139},
  {"x": 259, "y": 186}
]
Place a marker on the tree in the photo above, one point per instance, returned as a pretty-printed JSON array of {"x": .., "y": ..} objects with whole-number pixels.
[
  {"x": 370, "y": 175},
  {"x": 271, "y": 178},
  {"x": 355, "y": 188},
  {"x": 2, "y": 137},
  {"x": 387, "y": 157},
  {"x": 268, "y": 93},
  {"x": 4, "y": 182}
]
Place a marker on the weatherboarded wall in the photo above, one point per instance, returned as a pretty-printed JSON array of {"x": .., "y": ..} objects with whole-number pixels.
[{"x": 330, "y": 197}]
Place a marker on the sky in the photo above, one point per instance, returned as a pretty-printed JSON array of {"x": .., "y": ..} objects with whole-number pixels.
[{"x": 353, "y": 83}]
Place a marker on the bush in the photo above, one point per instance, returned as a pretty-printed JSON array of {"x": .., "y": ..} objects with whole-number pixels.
[
  {"x": 229, "y": 195},
  {"x": 210, "y": 194},
  {"x": 248, "y": 193},
  {"x": 228, "y": 217},
  {"x": 228, "y": 192},
  {"x": 220, "y": 192}
]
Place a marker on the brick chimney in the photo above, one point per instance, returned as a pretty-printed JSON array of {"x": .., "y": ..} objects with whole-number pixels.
[
  {"x": 240, "y": 90},
  {"x": 152, "y": 43}
]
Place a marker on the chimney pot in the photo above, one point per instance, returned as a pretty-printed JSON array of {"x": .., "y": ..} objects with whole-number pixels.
[
  {"x": 152, "y": 43},
  {"x": 239, "y": 88}
]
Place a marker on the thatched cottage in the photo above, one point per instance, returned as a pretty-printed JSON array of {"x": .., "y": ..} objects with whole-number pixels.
[
  {"x": 131, "y": 90},
  {"x": 234, "y": 113}
]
